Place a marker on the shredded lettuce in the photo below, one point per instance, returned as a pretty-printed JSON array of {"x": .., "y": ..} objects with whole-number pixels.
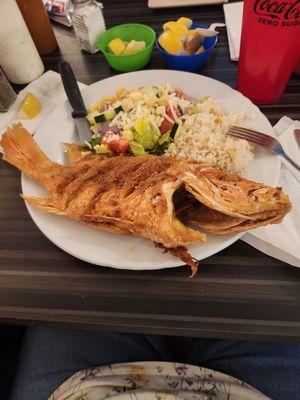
[
  {"x": 193, "y": 110},
  {"x": 136, "y": 148},
  {"x": 203, "y": 99},
  {"x": 145, "y": 133},
  {"x": 162, "y": 144},
  {"x": 92, "y": 143},
  {"x": 165, "y": 138}
]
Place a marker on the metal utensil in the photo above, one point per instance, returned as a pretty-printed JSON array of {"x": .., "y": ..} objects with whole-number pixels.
[
  {"x": 74, "y": 96},
  {"x": 263, "y": 140}
]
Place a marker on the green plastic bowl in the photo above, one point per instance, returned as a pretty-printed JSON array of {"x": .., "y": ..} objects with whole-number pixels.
[{"x": 127, "y": 32}]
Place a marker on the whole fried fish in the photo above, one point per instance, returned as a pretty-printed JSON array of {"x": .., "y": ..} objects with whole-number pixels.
[{"x": 144, "y": 196}]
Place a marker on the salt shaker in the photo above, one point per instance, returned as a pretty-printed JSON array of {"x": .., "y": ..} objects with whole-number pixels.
[
  {"x": 7, "y": 93},
  {"x": 88, "y": 23}
]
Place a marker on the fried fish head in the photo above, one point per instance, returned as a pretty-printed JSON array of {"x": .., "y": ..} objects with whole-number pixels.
[{"x": 234, "y": 196}]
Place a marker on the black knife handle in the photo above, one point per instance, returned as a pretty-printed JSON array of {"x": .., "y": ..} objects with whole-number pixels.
[{"x": 72, "y": 90}]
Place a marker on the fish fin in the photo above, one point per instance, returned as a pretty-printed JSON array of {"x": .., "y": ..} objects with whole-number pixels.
[
  {"x": 44, "y": 203},
  {"x": 75, "y": 152},
  {"x": 21, "y": 150}
]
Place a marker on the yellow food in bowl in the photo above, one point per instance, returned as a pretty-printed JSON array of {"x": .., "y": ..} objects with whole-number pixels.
[
  {"x": 187, "y": 22},
  {"x": 170, "y": 42},
  {"x": 119, "y": 47},
  {"x": 175, "y": 27},
  {"x": 116, "y": 46},
  {"x": 178, "y": 39}
]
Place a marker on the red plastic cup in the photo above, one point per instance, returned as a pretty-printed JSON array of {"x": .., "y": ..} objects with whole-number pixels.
[{"x": 269, "y": 48}]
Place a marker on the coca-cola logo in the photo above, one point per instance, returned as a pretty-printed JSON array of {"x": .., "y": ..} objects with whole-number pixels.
[{"x": 277, "y": 9}]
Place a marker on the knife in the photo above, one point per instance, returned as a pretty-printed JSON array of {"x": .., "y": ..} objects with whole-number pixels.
[
  {"x": 74, "y": 96},
  {"x": 297, "y": 136}
]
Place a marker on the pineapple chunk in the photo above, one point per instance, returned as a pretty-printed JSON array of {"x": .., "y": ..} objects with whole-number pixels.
[
  {"x": 116, "y": 46},
  {"x": 134, "y": 47}
]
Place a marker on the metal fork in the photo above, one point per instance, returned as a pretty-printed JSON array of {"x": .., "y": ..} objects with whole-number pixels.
[{"x": 263, "y": 140}]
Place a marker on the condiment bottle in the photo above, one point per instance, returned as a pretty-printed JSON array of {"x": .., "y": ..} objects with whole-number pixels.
[
  {"x": 7, "y": 93},
  {"x": 37, "y": 21},
  {"x": 88, "y": 23},
  {"x": 19, "y": 57}
]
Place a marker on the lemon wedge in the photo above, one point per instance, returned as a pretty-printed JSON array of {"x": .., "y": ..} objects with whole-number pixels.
[
  {"x": 176, "y": 28},
  {"x": 170, "y": 42},
  {"x": 30, "y": 107},
  {"x": 187, "y": 22}
]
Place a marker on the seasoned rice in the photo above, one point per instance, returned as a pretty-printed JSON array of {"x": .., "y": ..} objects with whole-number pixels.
[{"x": 203, "y": 137}]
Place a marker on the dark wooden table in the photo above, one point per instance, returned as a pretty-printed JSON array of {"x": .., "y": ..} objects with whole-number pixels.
[{"x": 239, "y": 293}]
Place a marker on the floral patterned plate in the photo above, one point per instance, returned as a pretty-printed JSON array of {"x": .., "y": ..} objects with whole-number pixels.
[{"x": 154, "y": 381}]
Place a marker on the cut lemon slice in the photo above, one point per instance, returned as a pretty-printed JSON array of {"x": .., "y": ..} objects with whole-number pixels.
[
  {"x": 30, "y": 107},
  {"x": 170, "y": 42},
  {"x": 187, "y": 22},
  {"x": 176, "y": 28}
]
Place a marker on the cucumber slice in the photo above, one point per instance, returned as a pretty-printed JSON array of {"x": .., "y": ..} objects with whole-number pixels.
[
  {"x": 118, "y": 109},
  {"x": 100, "y": 118},
  {"x": 91, "y": 117},
  {"x": 174, "y": 131},
  {"x": 108, "y": 115}
]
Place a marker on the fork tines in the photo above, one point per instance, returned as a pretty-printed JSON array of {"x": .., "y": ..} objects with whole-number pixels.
[{"x": 252, "y": 136}]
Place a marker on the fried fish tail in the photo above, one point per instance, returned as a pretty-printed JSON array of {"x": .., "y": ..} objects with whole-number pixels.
[{"x": 21, "y": 150}]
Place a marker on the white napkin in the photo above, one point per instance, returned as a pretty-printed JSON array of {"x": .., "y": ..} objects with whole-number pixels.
[
  {"x": 282, "y": 241},
  {"x": 233, "y": 19},
  {"x": 49, "y": 89}
]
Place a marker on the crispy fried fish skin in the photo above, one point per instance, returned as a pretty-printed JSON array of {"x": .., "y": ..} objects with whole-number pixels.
[
  {"x": 131, "y": 195},
  {"x": 136, "y": 195}
]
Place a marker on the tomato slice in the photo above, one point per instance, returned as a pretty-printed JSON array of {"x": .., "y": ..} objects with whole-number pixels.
[
  {"x": 180, "y": 93},
  {"x": 119, "y": 145},
  {"x": 166, "y": 125}
]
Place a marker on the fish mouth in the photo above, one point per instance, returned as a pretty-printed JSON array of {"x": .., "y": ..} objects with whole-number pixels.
[{"x": 178, "y": 233}]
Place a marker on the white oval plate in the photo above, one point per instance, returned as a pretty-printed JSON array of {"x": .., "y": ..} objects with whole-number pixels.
[{"x": 113, "y": 250}]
